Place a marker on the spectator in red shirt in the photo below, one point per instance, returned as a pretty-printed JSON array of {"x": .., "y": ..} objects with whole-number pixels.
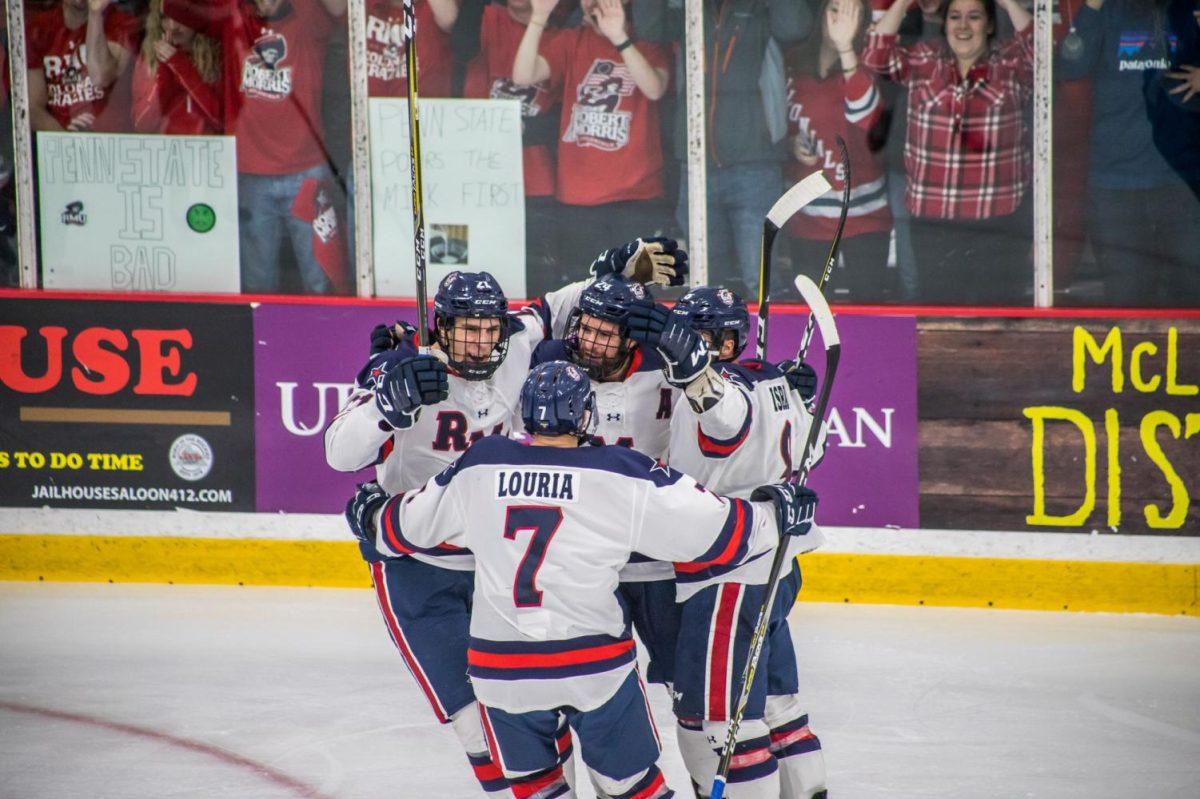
[
  {"x": 274, "y": 62},
  {"x": 77, "y": 63},
  {"x": 387, "y": 65},
  {"x": 610, "y": 160},
  {"x": 830, "y": 95},
  {"x": 177, "y": 79},
  {"x": 489, "y": 74},
  {"x": 967, "y": 154}
]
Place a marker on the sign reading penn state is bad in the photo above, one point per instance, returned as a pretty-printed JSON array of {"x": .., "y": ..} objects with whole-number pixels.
[
  {"x": 473, "y": 184},
  {"x": 144, "y": 405},
  {"x": 138, "y": 213}
]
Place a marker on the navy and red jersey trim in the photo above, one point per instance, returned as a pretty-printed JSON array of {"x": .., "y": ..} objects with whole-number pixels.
[
  {"x": 724, "y": 447},
  {"x": 749, "y": 372},
  {"x": 394, "y": 536},
  {"x": 712, "y": 572},
  {"x": 546, "y": 660},
  {"x": 539, "y": 308},
  {"x": 731, "y": 544}
]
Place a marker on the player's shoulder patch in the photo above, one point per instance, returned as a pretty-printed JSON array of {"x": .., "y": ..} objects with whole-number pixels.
[
  {"x": 750, "y": 372},
  {"x": 638, "y": 465}
]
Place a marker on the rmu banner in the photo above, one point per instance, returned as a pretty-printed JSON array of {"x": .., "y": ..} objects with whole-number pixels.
[
  {"x": 307, "y": 356},
  {"x": 138, "y": 213},
  {"x": 125, "y": 405}
]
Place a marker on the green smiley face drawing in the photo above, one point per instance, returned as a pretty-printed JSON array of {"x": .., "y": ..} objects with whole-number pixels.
[{"x": 201, "y": 217}]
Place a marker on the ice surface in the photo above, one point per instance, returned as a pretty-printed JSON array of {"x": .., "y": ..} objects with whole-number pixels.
[{"x": 169, "y": 691}]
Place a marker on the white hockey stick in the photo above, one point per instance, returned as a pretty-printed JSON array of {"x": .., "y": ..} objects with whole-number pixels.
[
  {"x": 795, "y": 198},
  {"x": 833, "y": 348}
]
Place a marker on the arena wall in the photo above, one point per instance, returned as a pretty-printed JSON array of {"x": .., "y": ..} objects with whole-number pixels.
[{"x": 1034, "y": 460}]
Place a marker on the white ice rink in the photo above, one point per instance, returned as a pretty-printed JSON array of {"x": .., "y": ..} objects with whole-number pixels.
[{"x": 168, "y": 691}]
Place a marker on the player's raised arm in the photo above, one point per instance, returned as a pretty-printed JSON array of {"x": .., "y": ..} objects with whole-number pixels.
[{"x": 389, "y": 393}]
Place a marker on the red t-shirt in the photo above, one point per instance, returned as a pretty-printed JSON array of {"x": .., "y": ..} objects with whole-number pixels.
[
  {"x": 820, "y": 110},
  {"x": 387, "y": 65},
  {"x": 490, "y": 75},
  {"x": 274, "y": 70},
  {"x": 174, "y": 99},
  {"x": 609, "y": 146},
  {"x": 61, "y": 54}
]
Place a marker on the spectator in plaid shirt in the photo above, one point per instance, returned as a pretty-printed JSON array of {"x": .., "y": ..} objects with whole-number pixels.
[{"x": 967, "y": 155}]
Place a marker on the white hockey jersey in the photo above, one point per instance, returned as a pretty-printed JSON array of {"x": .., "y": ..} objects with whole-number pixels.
[
  {"x": 550, "y": 529},
  {"x": 634, "y": 412},
  {"x": 359, "y": 437},
  {"x": 753, "y": 436}
]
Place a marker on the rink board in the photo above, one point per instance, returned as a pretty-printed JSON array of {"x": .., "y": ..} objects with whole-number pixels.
[{"x": 1017, "y": 583}]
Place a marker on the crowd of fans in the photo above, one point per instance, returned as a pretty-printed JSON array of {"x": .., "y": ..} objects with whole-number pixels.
[{"x": 932, "y": 98}]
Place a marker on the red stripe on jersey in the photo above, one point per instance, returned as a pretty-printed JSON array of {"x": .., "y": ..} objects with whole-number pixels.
[
  {"x": 389, "y": 531},
  {"x": 732, "y": 546},
  {"x": 498, "y": 660},
  {"x": 721, "y": 646},
  {"x": 710, "y": 446},
  {"x": 651, "y": 790}
]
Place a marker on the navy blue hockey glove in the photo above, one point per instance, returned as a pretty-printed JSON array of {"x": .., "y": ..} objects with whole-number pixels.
[
  {"x": 795, "y": 506},
  {"x": 646, "y": 321},
  {"x": 802, "y": 378},
  {"x": 655, "y": 260},
  {"x": 361, "y": 510},
  {"x": 685, "y": 352},
  {"x": 387, "y": 337},
  {"x": 408, "y": 384}
]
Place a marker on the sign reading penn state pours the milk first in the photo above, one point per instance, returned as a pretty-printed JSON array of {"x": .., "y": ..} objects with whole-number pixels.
[{"x": 138, "y": 213}]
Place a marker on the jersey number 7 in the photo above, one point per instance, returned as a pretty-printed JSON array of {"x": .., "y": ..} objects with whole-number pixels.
[{"x": 543, "y": 522}]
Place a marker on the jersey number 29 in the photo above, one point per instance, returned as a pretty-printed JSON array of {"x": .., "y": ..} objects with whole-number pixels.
[{"x": 543, "y": 522}]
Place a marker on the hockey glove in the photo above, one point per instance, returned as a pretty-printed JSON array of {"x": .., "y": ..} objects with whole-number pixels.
[
  {"x": 655, "y": 260},
  {"x": 646, "y": 321},
  {"x": 361, "y": 510},
  {"x": 802, "y": 378},
  {"x": 686, "y": 354},
  {"x": 408, "y": 384},
  {"x": 387, "y": 337},
  {"x": 795, "y": 506}
]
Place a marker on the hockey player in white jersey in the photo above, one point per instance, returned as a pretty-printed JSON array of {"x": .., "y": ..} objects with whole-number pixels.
[
  {"x": 411, "y": 415},
  {"x": 551, "y": 524},
  {"x": 736, "y": 426},
  {"x": 634, "y": 403}
]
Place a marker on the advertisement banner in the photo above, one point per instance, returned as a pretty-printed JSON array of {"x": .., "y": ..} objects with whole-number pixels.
[
  {"x": 1086, "y": 425},
  {"x": 307, "y": 357},
  {"x": 124, "y": 212},
  {"x": 474, "y": 191},
  {"x": 141, "y": 405}
]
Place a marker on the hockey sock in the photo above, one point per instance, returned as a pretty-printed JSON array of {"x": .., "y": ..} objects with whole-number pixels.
[
  {"x": 753, "y": 773},
  {"x": 796, "y": 749},
  {"x": 648, "y": 784},
  {"x": 467, "y": 727}
]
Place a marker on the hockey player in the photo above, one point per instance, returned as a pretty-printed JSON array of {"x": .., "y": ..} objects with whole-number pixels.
[
  {"x": 551, "y": 525},
  {"x": 634, "y": 403},
  {"x": 735, "y": 427},
  {"x": 411, "y": 415}
]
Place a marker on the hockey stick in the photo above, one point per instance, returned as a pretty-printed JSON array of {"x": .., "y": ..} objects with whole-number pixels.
[
  {"x": 414, "y": 153},
  {"x": 784, "y": 209},
  {"x": 833, "y": 348},
  {"x": 830, "y": 259}
]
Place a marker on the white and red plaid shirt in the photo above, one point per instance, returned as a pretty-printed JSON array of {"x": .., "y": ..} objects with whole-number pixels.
[{"x": 967, "y": 154}]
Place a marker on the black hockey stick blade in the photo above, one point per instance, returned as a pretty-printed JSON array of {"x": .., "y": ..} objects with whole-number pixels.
[{"x": 787, "y": 206}]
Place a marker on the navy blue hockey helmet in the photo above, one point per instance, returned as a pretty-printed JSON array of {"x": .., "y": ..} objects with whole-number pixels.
[
  {"x": 718, "y": 311},
  {"x": 474, "y": 350},
  {"x": 608, "y": 299},
  {"x": 557, "y": 399}
]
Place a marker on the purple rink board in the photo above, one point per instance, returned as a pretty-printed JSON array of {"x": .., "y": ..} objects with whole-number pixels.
[{"x": 306, "y": 357}]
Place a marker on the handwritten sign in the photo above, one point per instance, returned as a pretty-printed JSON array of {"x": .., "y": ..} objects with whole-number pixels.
[
  {"x": 138, "y": 213},
  {"x": 474, "y": 192}
]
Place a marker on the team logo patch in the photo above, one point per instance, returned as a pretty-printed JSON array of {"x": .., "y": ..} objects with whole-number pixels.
[
  {"x": 595, "y": 118},
  {"x": 73, "y": 214},
  {"x": 725, "y": 296},
  {"x": 191, "y": 457}
]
